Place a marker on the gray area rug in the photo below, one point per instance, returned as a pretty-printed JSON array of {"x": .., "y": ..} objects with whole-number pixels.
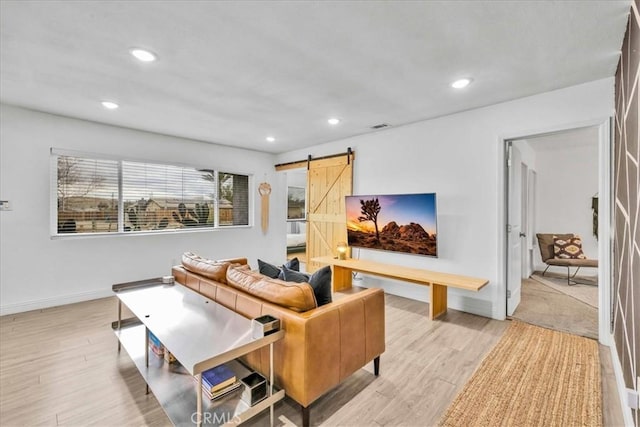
[
  {"x": 586, "y": 290},
  {"x": 547, "y": 307}
]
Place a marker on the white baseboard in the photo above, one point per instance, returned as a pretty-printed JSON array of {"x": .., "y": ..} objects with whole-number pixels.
[
  {"x": 472, "y": 305},
  {"x": 627, "y": 416},
  {"x": 53, "y": 301}
]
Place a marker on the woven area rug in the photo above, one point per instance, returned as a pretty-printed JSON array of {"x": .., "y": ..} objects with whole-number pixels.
[{"x": 532, "y": 377}]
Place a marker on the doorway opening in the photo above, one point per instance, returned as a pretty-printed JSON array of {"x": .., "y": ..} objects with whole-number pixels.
[
  {"x": 328, "y": 180},
  {"x": 553, "y": 182},
  {"x": 297, "y": 214}
]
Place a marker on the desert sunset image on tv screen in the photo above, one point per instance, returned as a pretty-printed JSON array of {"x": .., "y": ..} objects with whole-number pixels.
[{"x": 401, "y": 223}]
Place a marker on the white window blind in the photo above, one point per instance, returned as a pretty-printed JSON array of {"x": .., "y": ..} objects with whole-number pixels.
[
  {"x": 107, "y": 196},
  {"x": 157, "y": 197},
  {"x": 87, "y": 194}
]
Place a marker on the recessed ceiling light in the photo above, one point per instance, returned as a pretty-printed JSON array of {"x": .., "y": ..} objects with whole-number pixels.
[
  {"x": 333, "y": 121},
  {"x": 459, "y": 84},
  {"x": 143, "y": 55},
  {"x": 270, "y": 139},
  {"x": 109, "y": 105}
]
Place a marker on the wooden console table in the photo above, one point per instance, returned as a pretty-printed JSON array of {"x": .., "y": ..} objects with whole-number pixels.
[{"x": 437, "y": 282}]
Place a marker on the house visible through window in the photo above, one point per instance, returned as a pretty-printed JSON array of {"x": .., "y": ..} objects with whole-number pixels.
[
  {"x": 103, "y": 196},
  {"x": 233, "y": 194}
]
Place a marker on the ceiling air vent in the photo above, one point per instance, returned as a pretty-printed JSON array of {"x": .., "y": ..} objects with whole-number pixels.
[{"x": 380, "y": 126}]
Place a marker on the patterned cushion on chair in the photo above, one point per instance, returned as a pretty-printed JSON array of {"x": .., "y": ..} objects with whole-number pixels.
[{"x": 568, "y": 248}]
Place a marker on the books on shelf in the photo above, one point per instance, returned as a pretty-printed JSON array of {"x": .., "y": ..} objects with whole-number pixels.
[
  {"x": 223, "y": 392},
  {"x": 218, "y": 382},
  {"x": 155, "y": 344},
  {"x": 215, "y": 379}
]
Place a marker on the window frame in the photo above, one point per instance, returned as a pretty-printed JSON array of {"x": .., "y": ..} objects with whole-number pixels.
[{"x": 55, "y": 153}]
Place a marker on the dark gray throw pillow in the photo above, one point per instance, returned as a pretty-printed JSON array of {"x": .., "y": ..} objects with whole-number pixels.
[
  {"x": 320, "y": 281},
  {"x": 293, "y": 264},
  {"x": 289, "y": 275},
  {"x": 267, "y": 269},
  {"x": 274, "y": 271}
]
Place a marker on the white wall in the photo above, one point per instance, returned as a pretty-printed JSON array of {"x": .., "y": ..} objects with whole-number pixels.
[
  {"x": 36, "y": 271},
  {"x": 460, "y": 158},
  {"x": 567, "y": 180}
]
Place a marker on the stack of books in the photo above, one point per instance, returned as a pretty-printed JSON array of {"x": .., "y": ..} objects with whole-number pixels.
[
  {"x": 156, "y": 345},
  {"x": 219, "y": 381}
]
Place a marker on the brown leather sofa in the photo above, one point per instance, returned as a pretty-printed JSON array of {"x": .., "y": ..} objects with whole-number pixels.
[{"x": 322, "y": 346}]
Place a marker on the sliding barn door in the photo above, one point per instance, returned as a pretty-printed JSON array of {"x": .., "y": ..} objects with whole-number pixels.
[{"x": 328, "y": 182}]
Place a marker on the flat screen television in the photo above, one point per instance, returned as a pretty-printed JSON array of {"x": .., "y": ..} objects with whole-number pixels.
[{"x": 393, "y": 222}]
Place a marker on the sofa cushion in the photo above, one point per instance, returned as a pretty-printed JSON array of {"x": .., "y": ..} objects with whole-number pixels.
[
  {"x": 568, "y": 248},
  {"x": 320, "y": 281},
  {"x": 215, "y": 270},
  {"x": 294, "y": 296}
]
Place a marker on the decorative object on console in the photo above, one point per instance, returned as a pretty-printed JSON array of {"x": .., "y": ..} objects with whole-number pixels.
[
  {"x": 264, "y": 325},
  {"x": 255, "y": 388},
  {"x": 397, "y": 222},
  {"x": 264, "y": 189},
  {"x": 342, "y": 250}
]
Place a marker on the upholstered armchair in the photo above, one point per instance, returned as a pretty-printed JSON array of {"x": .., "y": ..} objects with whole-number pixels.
[{"x": 567, "y": 253}]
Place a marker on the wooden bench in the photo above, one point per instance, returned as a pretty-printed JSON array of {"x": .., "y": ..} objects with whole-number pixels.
[{"x": 438, "y": 282}]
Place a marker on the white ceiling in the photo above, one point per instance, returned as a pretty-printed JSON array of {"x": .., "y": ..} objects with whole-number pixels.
[{"x": 234, "y": 72}]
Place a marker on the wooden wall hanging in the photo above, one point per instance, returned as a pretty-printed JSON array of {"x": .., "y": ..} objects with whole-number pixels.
[{"x": 265, "y": 190}]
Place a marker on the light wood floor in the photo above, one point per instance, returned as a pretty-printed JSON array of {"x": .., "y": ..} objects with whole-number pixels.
[{"x": 60, "y": 366}]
